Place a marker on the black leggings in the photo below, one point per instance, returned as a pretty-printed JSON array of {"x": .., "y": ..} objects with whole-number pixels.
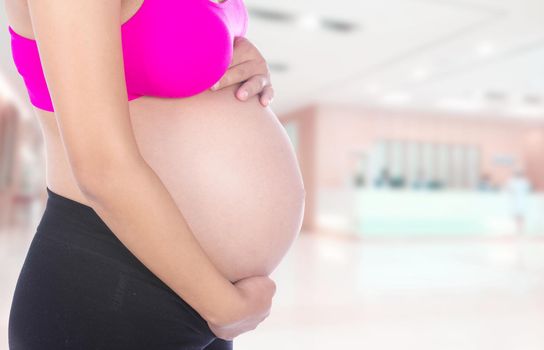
[{"x": 81, "y": 288}]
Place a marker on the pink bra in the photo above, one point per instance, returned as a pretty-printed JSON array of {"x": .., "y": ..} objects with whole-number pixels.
[{"x": 171, "y": 48}]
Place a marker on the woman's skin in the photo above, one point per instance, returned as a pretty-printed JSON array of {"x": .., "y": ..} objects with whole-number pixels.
[{"x": 210, "y": 176}]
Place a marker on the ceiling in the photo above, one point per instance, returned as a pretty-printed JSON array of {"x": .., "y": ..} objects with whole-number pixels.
[
  {"x": 482, "y": 57},
  {"x": 465, "y": 56}
]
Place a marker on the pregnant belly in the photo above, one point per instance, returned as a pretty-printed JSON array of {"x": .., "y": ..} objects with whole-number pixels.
[{"x": 232, "y": 171}]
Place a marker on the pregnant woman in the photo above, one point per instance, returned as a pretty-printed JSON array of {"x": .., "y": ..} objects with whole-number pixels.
[{"x": 169, "y": 204}]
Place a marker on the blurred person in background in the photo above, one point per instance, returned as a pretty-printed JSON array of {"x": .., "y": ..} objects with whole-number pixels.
[
  {"x": 519, "y": 188},
  {"x": 140, "y": 247},
  {"x": 383, "y": 180},
  {"x": 420, "y": 180},
  {"x": 485, "y": 183}
]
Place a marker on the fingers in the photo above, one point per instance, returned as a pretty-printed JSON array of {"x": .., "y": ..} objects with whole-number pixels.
[
  {"x": 271, "y": 285},
  {"x": 267, "y": 95},
  {"x": 252, "y": 86},
  {"x": 241, "y": 73}
]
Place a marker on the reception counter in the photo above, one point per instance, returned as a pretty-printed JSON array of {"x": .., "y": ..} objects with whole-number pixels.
[{"x": 390, "y": 212}]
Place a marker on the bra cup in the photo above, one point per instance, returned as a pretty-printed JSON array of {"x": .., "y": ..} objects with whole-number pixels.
[{"x": 179, "y": 54}]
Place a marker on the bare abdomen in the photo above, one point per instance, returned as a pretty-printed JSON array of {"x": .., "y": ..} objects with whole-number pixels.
[{"x": 231, "y": 169}]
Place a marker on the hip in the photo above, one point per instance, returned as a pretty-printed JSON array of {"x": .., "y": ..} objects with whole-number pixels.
[{"x": 80, "y": 288}]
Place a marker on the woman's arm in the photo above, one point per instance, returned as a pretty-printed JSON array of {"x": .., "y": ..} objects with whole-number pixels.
[{"x": 80, "y": 49}]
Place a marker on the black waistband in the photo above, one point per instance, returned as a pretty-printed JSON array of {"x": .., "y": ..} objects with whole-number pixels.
[{"x": 63, "y": 212}]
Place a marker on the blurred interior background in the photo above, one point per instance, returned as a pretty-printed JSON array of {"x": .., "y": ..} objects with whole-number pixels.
[{"x": 419, "y": 129}]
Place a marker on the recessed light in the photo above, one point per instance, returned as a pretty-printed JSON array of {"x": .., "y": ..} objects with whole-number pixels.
[
  {"x": 420, "y": 73},
  {"x": 339, "y": 26},
  {"x": 277, "y": 67},
  {"x": 371, "y": 88},
  {"x": 269, "y": 15},
  {"x": 485, "y": 49},
  {"x": 526, "y": 111},
  {"x": 458, "y": 104},
  {"x": 532, "y": 99},
  {"x": 309, "y": 21},
  {"x": 496, "y": 95},
  {"x": 397, "y": 97}
]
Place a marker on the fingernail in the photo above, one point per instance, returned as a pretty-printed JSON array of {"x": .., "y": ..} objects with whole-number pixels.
[
  {"x": 243, "y": 94},
  {"x": 215, "y": 86}
]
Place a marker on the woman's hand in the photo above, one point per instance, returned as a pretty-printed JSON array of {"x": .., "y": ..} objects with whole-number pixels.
[
  {"x": 250, "y": 67},
  {"x": 256, "y": 294}
]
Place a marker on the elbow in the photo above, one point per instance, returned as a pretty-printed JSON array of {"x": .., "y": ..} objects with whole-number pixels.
[
  {"x": 99, "y": 178},
  {"x": 92, "y": 180},
  {"x": 88, "y": 180}
]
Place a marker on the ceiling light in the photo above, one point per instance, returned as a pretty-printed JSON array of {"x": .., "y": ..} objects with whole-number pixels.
[
  {"x": 269, "y": 15},
  {"x": 485, "y": 49},
  {"x": 496, "y": 95},
  {"x": 420, "y": 74},
  {"x": 277, "y": 67},
  {"x": 459, "y": 104},
  {"x": 308, "y": 21},
  {"x": 371, "y": 88},
  {"x": 339, "y": 26},
  {"x": 532, "y": 99},
  {"x": 526, "y": 111},
  {"x": 396, "y": 98}
]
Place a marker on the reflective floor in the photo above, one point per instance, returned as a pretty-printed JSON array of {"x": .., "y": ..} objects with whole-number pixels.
[{"x": 339, "y": 293}]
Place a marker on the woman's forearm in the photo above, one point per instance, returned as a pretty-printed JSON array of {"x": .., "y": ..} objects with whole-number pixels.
[{"x": 137, "y": 207}]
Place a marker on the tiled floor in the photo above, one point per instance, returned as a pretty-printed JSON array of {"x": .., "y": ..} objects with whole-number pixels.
[{"x": 470, "y": 294}]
